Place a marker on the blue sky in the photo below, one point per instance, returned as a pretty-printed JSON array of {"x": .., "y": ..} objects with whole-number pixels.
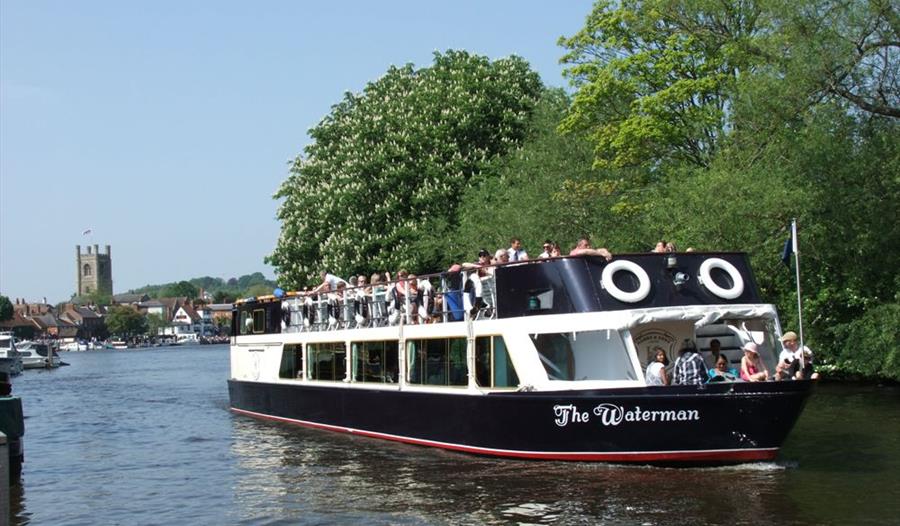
[{"x": 165, "y": 127}]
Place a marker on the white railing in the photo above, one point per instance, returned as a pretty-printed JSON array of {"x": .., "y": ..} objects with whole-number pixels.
[{"x": 394, "y": 303}]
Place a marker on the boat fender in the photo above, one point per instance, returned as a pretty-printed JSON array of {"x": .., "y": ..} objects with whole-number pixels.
[
  {"x": 609, "y": 271},
  {"x": 333, "y": 310},
  {"x": 426, "y": 299},
  {"x": 285, "y": 314},
  {"x": 361, "y": 308},
  {"x": 473, "y": 291},
  {"x": 307, "y": 311},
  {"x": 706, "y": 280}
]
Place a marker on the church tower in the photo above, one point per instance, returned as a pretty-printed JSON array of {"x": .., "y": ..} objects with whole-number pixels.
[{"x": 94, "y": 270}]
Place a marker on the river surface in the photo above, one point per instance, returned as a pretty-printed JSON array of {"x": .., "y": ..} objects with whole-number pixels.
[{"x": 145, "y": 437}]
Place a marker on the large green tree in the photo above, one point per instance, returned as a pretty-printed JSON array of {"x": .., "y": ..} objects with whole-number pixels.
[
  {"x": 379, "y": 186},
  {"x": 662, "y": 82},
  {"x": 122, "y": 320}
]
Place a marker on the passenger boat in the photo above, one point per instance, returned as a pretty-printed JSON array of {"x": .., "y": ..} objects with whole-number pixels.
[{"x": 542, "y": 359}]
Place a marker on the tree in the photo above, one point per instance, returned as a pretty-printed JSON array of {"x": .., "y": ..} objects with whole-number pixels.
[
  {"x": 387, "y": 167},
  {"x": 654, "y": 77},
  {"x": 528, "y": 197},
  {"x": 123, "y": 320},
  {"x": 154, "y": 323},
  {"x": 6, "y": 309},
  {"x": 96, "y": 298},
  {"x": 669, "y": 81},
  {"x": 222, "y": 296},
  {"x": 180, "y": 289}
]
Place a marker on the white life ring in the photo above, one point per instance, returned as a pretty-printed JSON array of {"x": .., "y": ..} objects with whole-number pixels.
[
  {"x": 706, "y": 278},
  {"x": 628, "y": 297}
]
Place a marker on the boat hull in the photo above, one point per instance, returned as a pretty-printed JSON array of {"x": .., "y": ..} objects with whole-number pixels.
[{"x": 710, "y": 424}]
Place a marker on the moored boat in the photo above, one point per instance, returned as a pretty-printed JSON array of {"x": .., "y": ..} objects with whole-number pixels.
[
  {"x": 37, "y": 355},
  {"x": 541, "y": 359},
  {"x": 10, "y": 359}
]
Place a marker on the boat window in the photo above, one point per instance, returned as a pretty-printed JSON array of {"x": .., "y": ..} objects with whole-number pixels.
[
  {"x": 375, "y": 361},
  {"x": 246, "y": 322},
  {"x": 259, "y": 321},
  {"x": 493, "y": 368},
  {"x": 440, "y": 361},
  {"x": 585, "y": 355},
  {"x": 327, "y": 361},
  {"x": 291, "y": 362}
]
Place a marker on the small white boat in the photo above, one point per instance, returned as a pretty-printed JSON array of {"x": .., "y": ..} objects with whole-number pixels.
[
  {"x": 117, "y": 344},
  {"x": 37, "y": 355},
  {"x": 74, "y": 346},
  {"x": 10, "y": 360}
]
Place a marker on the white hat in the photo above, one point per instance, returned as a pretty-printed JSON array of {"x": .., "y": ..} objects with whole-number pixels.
[{"x": 751, "y": 347}]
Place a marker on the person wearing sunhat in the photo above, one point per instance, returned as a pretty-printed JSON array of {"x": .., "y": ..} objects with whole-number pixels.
[
  {"x": 790, "y": 364},
  {"x": 752, "y": 367}
]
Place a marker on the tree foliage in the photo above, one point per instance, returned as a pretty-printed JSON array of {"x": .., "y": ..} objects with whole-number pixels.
[
  {"x": 218, "y": 287},
  {"x": 665, "y": 81},
  {"x": 123, "y": 320},
  {"x": 180, "y": 289},
  {"x": 387, "y": 167},
  {"x": 6, "y": 308}
]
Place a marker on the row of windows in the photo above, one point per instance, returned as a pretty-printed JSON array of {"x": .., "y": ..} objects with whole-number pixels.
[{"x": 440, "y": 361}]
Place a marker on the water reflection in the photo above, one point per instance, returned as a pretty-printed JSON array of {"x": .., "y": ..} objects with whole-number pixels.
[{"x": 288, "y": 471}]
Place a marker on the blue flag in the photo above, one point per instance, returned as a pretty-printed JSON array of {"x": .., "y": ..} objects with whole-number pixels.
[
  {"x": 790, "y": 246},
  {"x": 786, "y": 252}
]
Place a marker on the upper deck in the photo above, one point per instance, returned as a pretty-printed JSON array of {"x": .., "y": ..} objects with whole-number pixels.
[{"x": 572, "y": 284}]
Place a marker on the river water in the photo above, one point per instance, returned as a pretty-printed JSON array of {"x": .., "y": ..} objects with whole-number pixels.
[{"x": 145, "y": 437}]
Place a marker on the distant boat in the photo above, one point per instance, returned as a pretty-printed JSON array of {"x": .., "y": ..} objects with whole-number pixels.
[
  {"x": 187, "y": 339},
  {"x": 10, "y": 360},
  {"x": 73, "y": 347},
  {"x": 118, "y": 344}
]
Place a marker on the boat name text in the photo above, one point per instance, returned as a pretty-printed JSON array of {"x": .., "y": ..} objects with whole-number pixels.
[{"x": 613, "y": 415}]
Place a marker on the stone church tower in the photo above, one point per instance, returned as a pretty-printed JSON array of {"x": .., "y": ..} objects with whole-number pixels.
[{"x": 94, "y": 270}]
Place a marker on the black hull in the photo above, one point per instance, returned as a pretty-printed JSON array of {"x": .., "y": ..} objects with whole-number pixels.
[{"x": 715, "y": 423}]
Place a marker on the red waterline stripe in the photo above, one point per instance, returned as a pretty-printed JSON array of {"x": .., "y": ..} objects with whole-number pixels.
[{"x": 743, "y": 455}]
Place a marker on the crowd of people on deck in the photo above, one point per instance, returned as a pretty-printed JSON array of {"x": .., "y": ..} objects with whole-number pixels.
[
  {"x": 692, "y": 369},
  {"x": 416, "y": 298}
]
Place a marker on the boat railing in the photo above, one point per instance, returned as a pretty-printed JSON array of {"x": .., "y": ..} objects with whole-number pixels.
[{"x": 404, "y": 301}]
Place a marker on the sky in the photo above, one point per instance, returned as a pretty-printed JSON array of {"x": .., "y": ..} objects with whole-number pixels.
[{"x": 165, "y": 127}]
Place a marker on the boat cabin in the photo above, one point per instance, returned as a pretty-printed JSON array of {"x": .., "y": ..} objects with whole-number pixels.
[{"x": 547, "y": 324}]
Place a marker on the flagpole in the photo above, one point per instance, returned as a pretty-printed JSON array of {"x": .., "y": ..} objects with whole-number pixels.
[{"x": 796, "y": 252}]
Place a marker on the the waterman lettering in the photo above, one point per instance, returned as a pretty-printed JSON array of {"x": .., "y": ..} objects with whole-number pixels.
[
  {"x": 569, "y": 413},
  {"x": 613, "y": 415}
]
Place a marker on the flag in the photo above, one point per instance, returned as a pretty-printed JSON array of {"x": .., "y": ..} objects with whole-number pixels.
[
  {"x": 86, "y": 232},
  {"x": 790, "y": 245}
]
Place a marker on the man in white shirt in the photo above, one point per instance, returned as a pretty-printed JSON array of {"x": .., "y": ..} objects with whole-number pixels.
[{"x": 515, "y": 251}]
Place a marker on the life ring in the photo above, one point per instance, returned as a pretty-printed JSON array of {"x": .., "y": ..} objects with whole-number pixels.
[
  {"x": 628, "y": 297},
  {"x": 706, "y": 278}
]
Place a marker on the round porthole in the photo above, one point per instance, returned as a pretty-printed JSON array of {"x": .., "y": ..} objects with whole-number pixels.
[
  {"x": 706, "y": 279},
  {"x": 626, "y": 266}
]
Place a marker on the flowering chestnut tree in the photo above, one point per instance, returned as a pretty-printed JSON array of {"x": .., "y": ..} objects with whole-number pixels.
[{"x": 383, "y": 176}]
